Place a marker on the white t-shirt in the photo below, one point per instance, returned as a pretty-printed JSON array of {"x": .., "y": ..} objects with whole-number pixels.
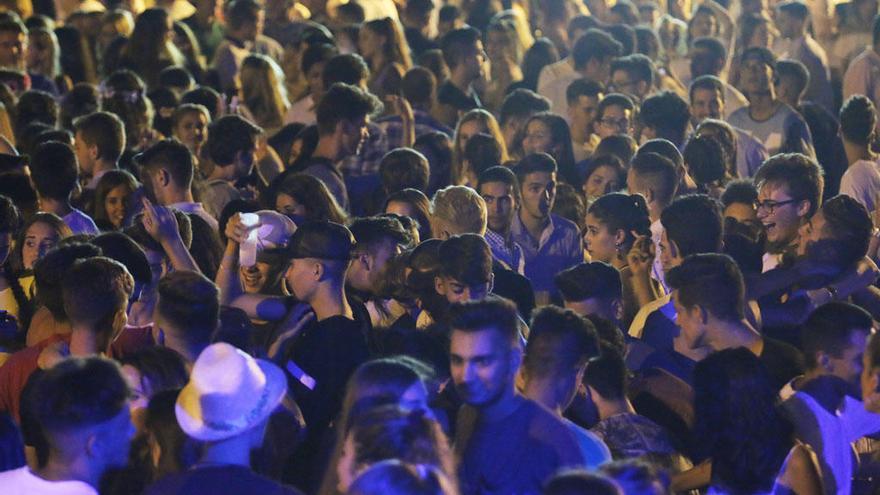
[
  {"x": 22, "y": 482},
  {"x": 861, "y": 181}
]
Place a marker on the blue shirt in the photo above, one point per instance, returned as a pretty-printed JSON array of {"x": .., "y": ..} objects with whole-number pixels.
[
  {"x": 558, "y": 248},
  {"x": 506, "y": 251}
]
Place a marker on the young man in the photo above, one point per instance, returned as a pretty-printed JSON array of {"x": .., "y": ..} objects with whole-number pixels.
[
  {"x": 187, "y": 312},
  {"x": 861, "y": 181},
  {"x": 378, "y": 240},
  {"x": 81, "y": 407},
  {"x": 549, "y": 242},
  {"x": 419, "y": 88},
  {"x": 167, "y": 173},
  {"x": 343, "y": 116},
  {"x": 793, "y": 21},
  {"x": 559, "y": 347},
  {"x": 504, "y": 441},
  {"x": 664, "y": 116},
  {"x": 592, "y": 289},
  {"x": 13, "y": 52},
  {"x": 498, "y": 187},
  {"x": 583, "y": 99},
  {"x": 229, "y": 422},
  {"x": 466, "y": 59},
  {"x": 465, "y": 269},
  {"x": 313, "y": 60},
  {"x": 516, "y": 109},
  {"x": 709, "y": 297},
  {"x": 231, "y": 147},
  {"x": 54, "y": 174},
  {"x": 244, "y": 35},
  {"x": 861, "y": 75},
  {"x": 614, "y": 115},
  {"x": 779, "y": 127},
  {"x": 789, "y": 192},
  {"x": 632, "y": 75},
  {"x": 708, "y": 58},
  {"x": 99, "y": 140}
]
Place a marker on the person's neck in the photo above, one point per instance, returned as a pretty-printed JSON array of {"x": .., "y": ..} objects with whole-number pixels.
[
  {"x": 377, "y": 62},
  {"x": 580, "y": 134},
  {"x": 461, "y": 80},
  {"x": 56, "y": 206},
  {"x": 329, "y": 300},
  {"x": 235, "y": 451},
  {"x": 607, "y": 408},
  {"x": 542, "y": 391},
  {"x": 655, "y": 209},
  {"x": 172, "y": 195},
  {"x": 619, "y": 260},
  {"x": 102, "y": 166},
  {"x": 503, "y": 407},
  {"x": 762, "y": 105},
  {"x": 186, "y": 349},
  {"x": 534, "y": 225},
  {"x": 223, "y": 172},
  {"x": 731, "y": 334},
  {"x": 84, "y": 341},
  {"x": 328, "y": 147},
  {"x": 855, "y": 152},
  {"x": 77, "y": 468}
]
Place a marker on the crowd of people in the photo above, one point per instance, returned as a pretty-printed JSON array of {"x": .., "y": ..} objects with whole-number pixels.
[{"x": 556, "y": 247}]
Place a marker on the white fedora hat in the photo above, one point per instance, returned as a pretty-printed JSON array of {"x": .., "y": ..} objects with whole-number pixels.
[{"x": 228, "y": 393}]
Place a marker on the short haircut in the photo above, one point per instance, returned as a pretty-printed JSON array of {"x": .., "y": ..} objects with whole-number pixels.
[
  {"x": 637, "y": 66},
  {"x": 706, "y": 160},
  {"x": 492, "y": 313},
  {"x": 418, "y": 86},
  {"x": 712, "y": 45},
  {"x": 460, "y": 206},
  {"x": 404, "y": 168},
  {"x": 191, "y": 303},
  {"x": 582, "y": 87},
  {"x": 466, "y": 258},
  {"x": 849, "y": 225},
  {"x": 13, "y": 24},
  {"x": 104, "y": 130},
  {"x": 658, "y": 173},
  {"x": 522, "y": 103},
  {"x": 829, "y": 327},
  {"x": 626, "y": 36},
  {"x": 534, "y": 163},
  {"x": 171, "y": 155},
  {"x": 581, "y": 22},
  {"x": 763, "y": 55},
  {"x": 54, "y": 170},
  {"x": 795, "y": 71},
  {"x": 456, "y": 42},
  {"x": 621, "y": 146},
  {"x": 370, "y": 232},
  {"x": 739, "y": 191},
  {"x": 800, "y": 174},
  {"x": 560, "y": 340},
  {"x": 122, "y": 248},
  {"x": 240, "y": 12},
  {"x": 49, "y": 272},
  {"x": 594, "y": 44},
  {"x": 607, "y": 374},
  {"x": 230, "y": 135},
  {"x": 858, "y": 118},
  {"x": 795, "y": 8},
  {"x": 499, "y": 174},
  {"x": 95, "y": 290},
  {"x": 481, "y": 152},
  {"x": 207, "y": 97},
  {"x": 596, "y": 280},
  {"x": 614, "y": 99},
  {"x": 176, "y": 76},
  {"x": 78, "y": 393},
  {"x": 36, "y": 106},
  {"x": 315, "y": 54},
  {"x": 694, "y": 223},
  {"x": 712, "y": 281},
  {"x": 348, "y": 68},
  {"x": 709, "y": 83},
  {"x": 344, "y": 102},
  {"x": 668, "y": 114}
]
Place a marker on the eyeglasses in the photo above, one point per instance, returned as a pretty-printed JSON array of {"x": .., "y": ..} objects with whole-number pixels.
[
  {"x": 770, "y": 205},
  {"x": 615, "y": 123}
]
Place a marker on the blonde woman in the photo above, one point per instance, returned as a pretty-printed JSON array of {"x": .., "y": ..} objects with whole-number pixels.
[
  {"x": 262, "y": 92},
  {"x": 472, "y": 123},
  {"x": 383, "y": 46},
  {"x": 43, "y": 54}
]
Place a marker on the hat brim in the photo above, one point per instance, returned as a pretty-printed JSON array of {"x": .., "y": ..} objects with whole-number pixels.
[{"x": 191, "y": 421}]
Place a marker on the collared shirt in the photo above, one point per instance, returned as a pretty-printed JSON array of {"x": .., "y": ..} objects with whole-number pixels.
[
  {"x": 367, "y": 161},
  {"x": 506, "y": 251},
  {"x": 558, "y": 248},
  {"x": 424, "y": 124},
  {"x": 198, "y": 210}
]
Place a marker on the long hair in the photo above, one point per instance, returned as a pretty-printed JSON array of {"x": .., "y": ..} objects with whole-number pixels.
[
  {"x": 50, "y": 68},
  {"x": 740, "y": 427},
  {"x": 10, "y": 223},
  {"x": 124, "y": 94},
  {"x": 489, "y": 126},
  {"x": 50, "y": 219},
  {"x": 626, "y": 212},
  {"x": 395, "y": 50},
  {"x": 110, "y": 181},
  {"x": 313, "y": 194},
  {"x": 263, "y": 92},
  {"x": 562, "y": 151},
  {"x": 149, "y": 49}
]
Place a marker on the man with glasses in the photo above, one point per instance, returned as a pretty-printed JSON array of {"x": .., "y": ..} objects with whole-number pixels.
[
  {"x": 778, "y": 126},
  {"x": 789, "y": 192},
  {"x": 632, "y": 75},
  {"x": 614, "y": 115}
]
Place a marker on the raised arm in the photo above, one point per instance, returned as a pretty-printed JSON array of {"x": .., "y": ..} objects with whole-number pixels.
[{"x": 161, "y": 224}]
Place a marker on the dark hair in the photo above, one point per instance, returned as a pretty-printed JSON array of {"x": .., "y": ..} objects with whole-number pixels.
[
  {"x": 94, "y": 291},
  {"x": 800, "y": 174},
  {"x": 739, "y": 191},
  {"x": 49, "y": 272},
  {"x": 711, "y": 281},
  {"x": 522, "y": 103},
  {"x": 240, "y": 12},
  {"x": 607, "y": 374},
  {"x": 370, "y": 232},
  {"x": 344, "y": 102},
  {"x": 534, "y": 163},
  {"x": 541, "y": 54},
  {"x": 404, "y": 168},
  {"x": 11, "y": 444},
  {"x": 80, "y": 101},
  {"x": 161, "y": 368},
  {"x": 315, "y": 54},
  {"x": 647, "y": 41},
  {"x": 858, "y": 118},
  {"x": 466, "y": 258},
  {"x": 694, "y": 223},
  {"x": 763, "y": 55},
  {"x": 561, "y": 135},
  {"x": 140, "y": 235},
  {"x": 206, "y": 248},
  {"x": 190, "y": 302},
  {"x": 712, "y": 45},
  {"x": 10, "y": 223},
  {"x": 706, "y": 161},
  {"x": 418, "y": 86},
  {"x": 122, "y": 248},
  {"x": 659, "y": 172},
  {"x": 582, "y": 87},
  {"x": 492, "y": 313},
  {"x": 875, "y": 31},
  {"x": 795, "y": 8},
  {"x": 622, "y": 146},
  {"x": 35, "y": 106},
  {"x": 637, "y": 476},
  {"x": 639, "y": 67},
  {"x": 313, "y": 194},
  {"x": 559, "y": 341},
  {"x": 482, "y": 151},
  {"x": 420, "y": 203},
  {"x": 348, "y": 68},
  {"x": 104, "y": 130},
  {"x": 594, "y": 44},
  {"x": 589, "y": 280},
  {"x": 829, "y": 327},
  {"x": 849, "y": 226},
  {"x": 172, "y": 156},
  {"x": 54, "y": 171},
  {"x": 626, "y": 212},
  {"x": 578, "y": 481},
  {"x": 625, "y": 35},
  {"x": 177, "y": 450},
  {"x": 598, "y": 161},
  {"x": 668, "y": 114},
  {"x": 456, "y": 42},
  {"x": 709, "y": 83},
  {"x": 796, "y": 71},
  {"x": 614, "y": 99},
  {"x": 176, "y": 77},
  {"x": 205, "y": 96},
  {"x": 499, "y": 174},
  {"x": 228, "y": 136},
  {"x": 738, "y": 423}
]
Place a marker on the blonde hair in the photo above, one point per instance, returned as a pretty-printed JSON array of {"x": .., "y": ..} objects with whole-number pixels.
[
  {"x": 121, "y": 20},
  {"x": 460, "y": 207},
  {"x": 490, "y": 126},
  {"x": 262, "y": 90}
]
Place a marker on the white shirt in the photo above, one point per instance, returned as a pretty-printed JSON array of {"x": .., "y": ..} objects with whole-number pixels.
[
  {"x": 553, "y": 83},
  {"x": 861, "y": 181},
  {"x": 22, "y": 482}
]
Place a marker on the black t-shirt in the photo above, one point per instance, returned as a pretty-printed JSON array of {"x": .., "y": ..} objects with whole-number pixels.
[
  {"x": 212, "y": 480},
  {"x": 782, "y": 361},
  {"x": 515, "y": 287},
  {"x": 449, "y": 94}
]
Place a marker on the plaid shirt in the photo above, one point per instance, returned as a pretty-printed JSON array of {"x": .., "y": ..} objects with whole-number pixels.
[
  {"x": 393, "y": 127},
  {"x": 506, "y": 251},
  {"x": 367, "y": 161}
]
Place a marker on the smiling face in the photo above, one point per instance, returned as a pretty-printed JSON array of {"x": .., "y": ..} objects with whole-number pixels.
[
  {"x": 706, "y": 104},
  {"x": 254, "y": 278},
  {"x": 538, "y": 139},
  {"x": 116, "y": 205},
  {"x": 601, "y": 181},
  {"x": 780, "y": 214}
]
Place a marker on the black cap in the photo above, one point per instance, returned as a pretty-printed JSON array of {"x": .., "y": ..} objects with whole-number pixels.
[{"x": 321, "y": 240}]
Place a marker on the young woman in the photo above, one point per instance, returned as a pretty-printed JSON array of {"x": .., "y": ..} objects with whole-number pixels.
[
  {"x": 37, "y": 236},
  {"x": 303, "y": 197},
  {"x": 150, "y": 48},
  {"x": 603, "y": 174},
  {"x": 112, "y": 205},
  {"x": 414, "y": 204},
  {"x": 43, "y": 54},
  {"x": 263, "y": 96},
  {"x": 124, "y": 94},
  {"x": 472, "y": 123},
  {"x": 547, "y": 132},
  {"x": 382, "y": 44},
  {"x": 189, "y": 125},
  {"x": 13, "y": 298}
]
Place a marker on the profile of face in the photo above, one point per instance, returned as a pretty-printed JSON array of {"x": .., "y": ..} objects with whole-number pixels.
[
  {"x": 600, "y": 242},
  {"x": 117, "y": 205},
  {"x": 192, "y": 131},
  {"x": 301, "y": 278},
  {"x": 353, "y": 135},
  {"x": 500, "y": 205},
  {"x": 38, "y": 240},
  {"x": 706, "y": 104},
  {"x": 539, "y": 194},
  {"x": 781, "y": 214},
  {"x": 288, "y": 205},
  {"x": 467, "y": 130},
  {"x": 13, "y": 47},
  {"x": 39, "y": 53},
  {"x": 316, "y": 83},
  {"x": 583, "y": 111},
  {"x": 690, "y": 320},
  {"x": 669, "y": 255},
  {"x": 483, "y": 366},
  {"x": 456, "y": 291},
  {"x": 368, "y": 267},
  {"x": 140, "y": 394},
  {"x": 614, "y": 120},
  {"x": 848, "y": 366},
  {"x": 601, "y": 181},
  {"x": 474, "y": 61},
  {"x": 244, "y": 162},
  {"x": 538, "y": 138}
]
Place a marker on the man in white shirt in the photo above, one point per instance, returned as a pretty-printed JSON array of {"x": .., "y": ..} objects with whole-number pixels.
[
  {"x": 99, "y": 140},
  {"x": 861, "y": 181},
  {"x": 792, "y": 21}
]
